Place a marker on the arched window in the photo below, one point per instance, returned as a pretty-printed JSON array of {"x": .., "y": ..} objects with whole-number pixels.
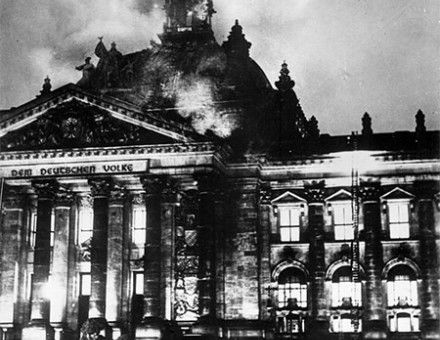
[
  {"x": 402, "y": 287},
  {"x": 345, "y": 292},
  {"x": 292, "y": 289}
]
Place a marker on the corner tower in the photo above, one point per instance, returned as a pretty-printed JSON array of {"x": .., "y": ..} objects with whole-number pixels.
[{"x": 188, "y": 18}]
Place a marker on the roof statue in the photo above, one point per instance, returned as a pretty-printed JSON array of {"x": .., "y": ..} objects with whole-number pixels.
[{"x": 87, "y": 70}]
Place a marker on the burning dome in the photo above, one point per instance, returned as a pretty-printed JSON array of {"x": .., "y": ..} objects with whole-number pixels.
[{"x": 189, "y": 78}]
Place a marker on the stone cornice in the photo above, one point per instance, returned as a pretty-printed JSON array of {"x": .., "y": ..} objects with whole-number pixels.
[{"x": 111, "y": 151}]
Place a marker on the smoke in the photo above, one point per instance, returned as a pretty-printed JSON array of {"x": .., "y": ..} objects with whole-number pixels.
[
  {"x": 46, "y": 37},
  {"x": 346, "y": 56},
  {"x": 195, "y": 99}
]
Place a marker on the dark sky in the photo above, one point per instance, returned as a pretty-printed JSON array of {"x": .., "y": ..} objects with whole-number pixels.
[{"x": 346, "y": 56}]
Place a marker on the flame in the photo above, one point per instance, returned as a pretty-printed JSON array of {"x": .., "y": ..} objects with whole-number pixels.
[{"x": 195, "y": 99}]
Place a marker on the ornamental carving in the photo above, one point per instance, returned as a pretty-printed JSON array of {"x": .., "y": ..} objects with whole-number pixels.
[
  {"x": 46, "y": 189},
  {"x": 370, "y": 191},
  {"x": 72, "y": 125},
  {"x": 315, "y": 191},
  {"x": 187, "y": 260},
  {"x": 265, "y": 194},
  {"x": 101, "y": 186}
]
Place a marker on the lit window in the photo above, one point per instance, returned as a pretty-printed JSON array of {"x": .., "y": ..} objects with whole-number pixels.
[
  {"x": 398, "y": 217},
  {"x": 290, "y": 221},
  {"x": 85, "y": 225},
  {"x": 138, "y": 282},
  {"x": 402, "y": 287},
  {"x": 404, "y": 322},
  {"x": 33, "y": 228},
  {"x": 292, "y": 289},
  {"x": 345, "y": 323},
  {"x": 52, "y": 228},
  {"x": 345, "y": 292},
  {"x": 85, "y": 285},
  {"x": 343, "y": 220},
  {"x": 291, "y": 323},
  {"x": 139, "y": 225}
]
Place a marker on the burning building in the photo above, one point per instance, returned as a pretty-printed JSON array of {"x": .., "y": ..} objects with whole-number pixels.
[{"x": 173, "y": 193}]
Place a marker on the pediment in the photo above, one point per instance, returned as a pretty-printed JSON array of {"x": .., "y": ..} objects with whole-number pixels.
[
  {"x": 397, "y": 194},
  {"x": 341, "y": 195},
  {"x": 74, "y": 118},
  {"x": 288, "y": 198}
]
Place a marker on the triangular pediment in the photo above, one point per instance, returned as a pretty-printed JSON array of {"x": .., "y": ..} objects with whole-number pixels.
[
  {"x": 341, "y": 195},
  {"x": 71, "y": 117},
  {"x": 288, "y": 198},
  {"x": 397, "y": 194}
]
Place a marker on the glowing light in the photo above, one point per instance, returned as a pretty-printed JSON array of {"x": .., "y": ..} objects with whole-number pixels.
[{"x": 195, "y": 100}]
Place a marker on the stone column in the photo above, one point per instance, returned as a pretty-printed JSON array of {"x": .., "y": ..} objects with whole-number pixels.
[
  {"x": 374, "y": 325},
  {"x": 161, "y": 201},
  {"x": 429, "y": 300},
  {"x": 169, "y": 202},
  {"x": 315, "y": 195},
  {"x": 11, "y": 230},
  {"x": 101, "y": 189},
  {"x": 60, "y": 265},
  {"x": 116, "y": 229},
  {"x": 206, "y": 246},
  {"x": 39, "y": 327},
  {"x": 152, "y": 257},
  {"x": 207, "y": 324}
]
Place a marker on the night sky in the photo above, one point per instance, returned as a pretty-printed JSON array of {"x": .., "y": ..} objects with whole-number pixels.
[{"x": 346, "y": 56}]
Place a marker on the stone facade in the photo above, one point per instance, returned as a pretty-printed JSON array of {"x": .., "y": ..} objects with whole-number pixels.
[{"x": 120, "y": 218}]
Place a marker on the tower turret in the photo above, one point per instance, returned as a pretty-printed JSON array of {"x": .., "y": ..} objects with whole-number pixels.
[{"x": 188, "y": 18}]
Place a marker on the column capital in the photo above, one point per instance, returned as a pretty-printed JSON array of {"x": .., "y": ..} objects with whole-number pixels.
[
  {"x": 64, "y": 199},
  {"x": 165, "y": 186},
  {"x": 118, "y": 195},
  {"x": 265, "y": 194},
  {"x": 101, "y": 187},
  {"x": 46, "y": 189},
  {"x": 138, "y": 198},
  {"x": 370, "y": 191},
  {"x": 315, "y": 191},
  {"x": 152, "y": 184}
]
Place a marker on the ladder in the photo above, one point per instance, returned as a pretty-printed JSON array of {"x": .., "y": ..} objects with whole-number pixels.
[{"x": 355, "y": 243}]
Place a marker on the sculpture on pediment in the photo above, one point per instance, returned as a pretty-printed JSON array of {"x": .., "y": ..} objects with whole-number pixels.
[
  {"x": 109, "y": 65},
  {"x": 88, "y": 70}
]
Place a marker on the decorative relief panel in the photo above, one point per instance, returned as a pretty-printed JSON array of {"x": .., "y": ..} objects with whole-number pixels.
[{"x": 186, "y": 304}]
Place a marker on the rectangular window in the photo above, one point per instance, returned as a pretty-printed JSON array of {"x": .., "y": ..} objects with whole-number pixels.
[
  {"x": 290, "y": 324},
  {"x": 402, "y": 292},
  {"x": 85, "y": 284},
  {"x": 346, "y": 293},
  {"x": 398, "y": 217},
  {"x": 345, "y": 324},
  {"x": 343, "y": 221},
  {"x": 403, "y": 322},
  {"x": 33, "y": 228},
  {"x": 138, "y": 282},
  {"x": 85, "y": 225},
  {"x": 291, "y": 295},
  {"x": 290, "y": 221},
  {"x": 139, "y": 225}
]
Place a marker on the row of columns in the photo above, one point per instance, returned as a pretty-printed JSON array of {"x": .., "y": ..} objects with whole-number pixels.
[
  {"x": 106, "y": 265},
  {"x": 374, "y": 317}
]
